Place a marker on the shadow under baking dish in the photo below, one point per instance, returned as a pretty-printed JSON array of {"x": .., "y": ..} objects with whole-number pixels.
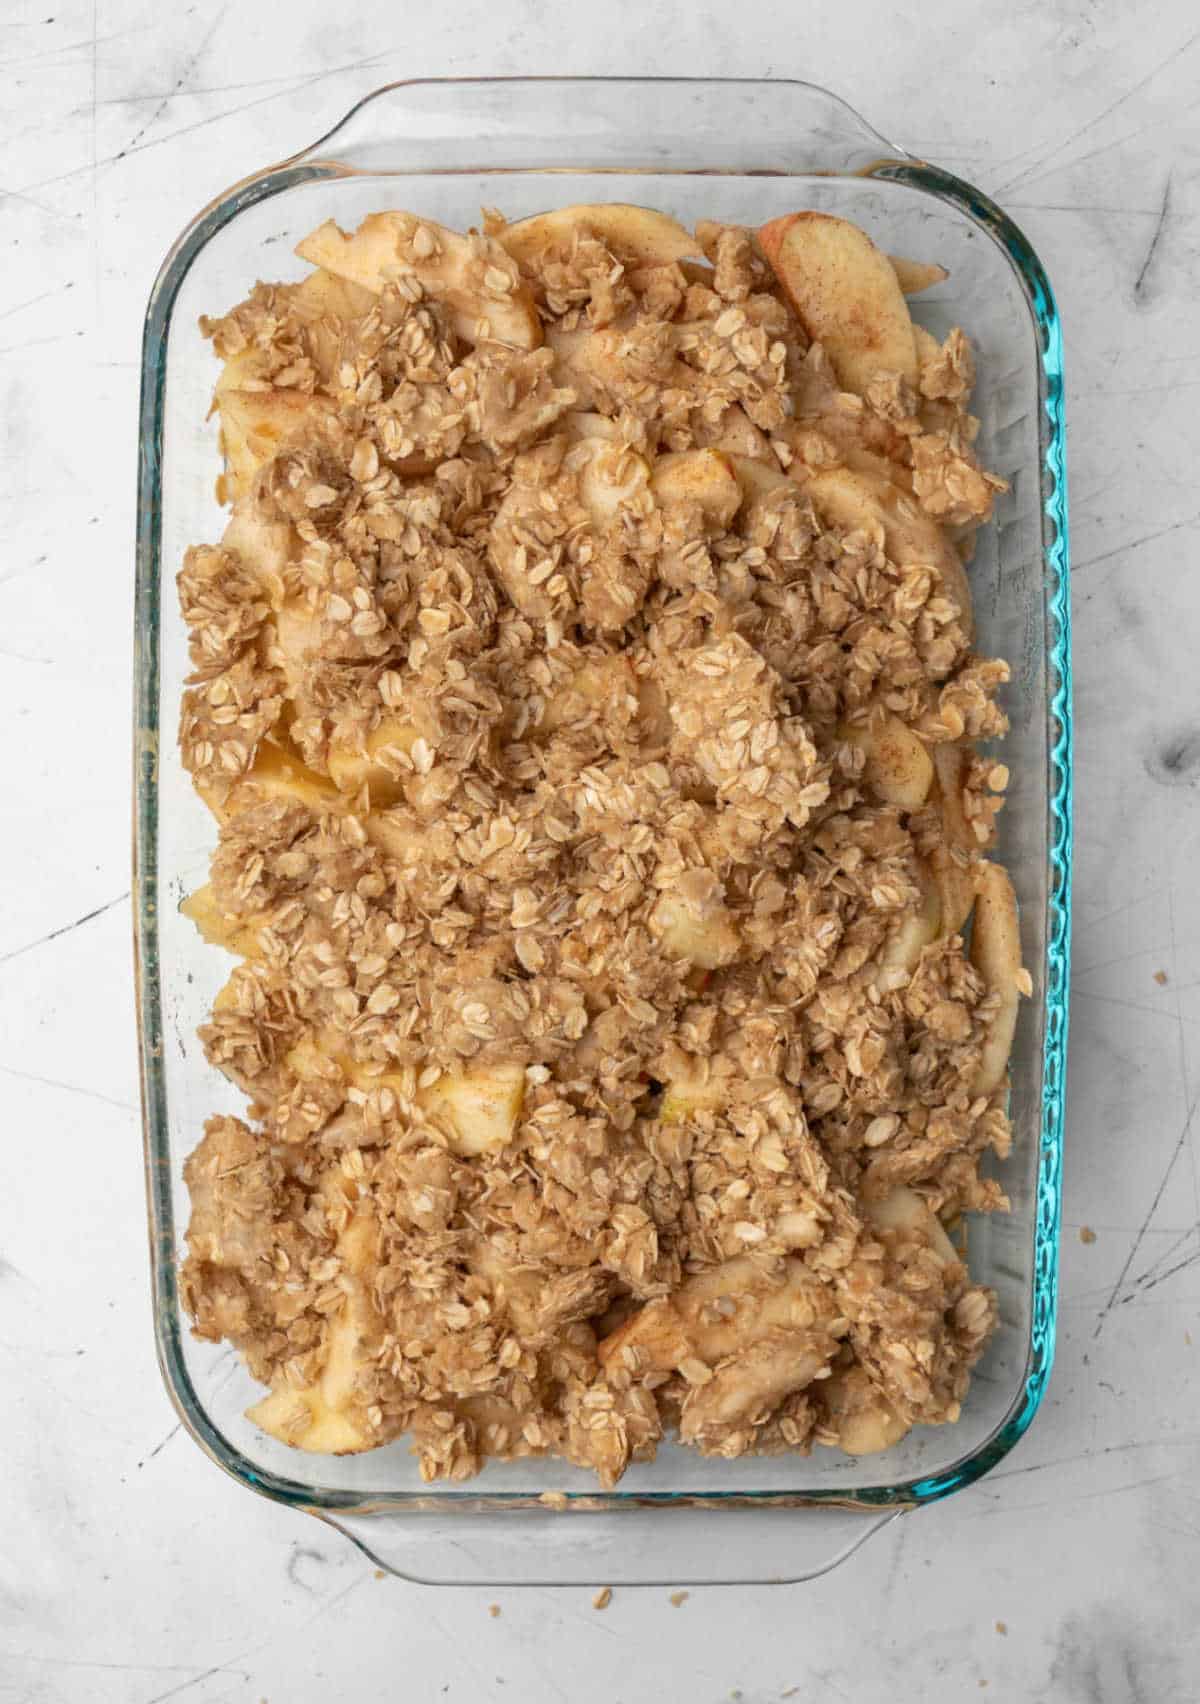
[{"x": 740, "y": 152}]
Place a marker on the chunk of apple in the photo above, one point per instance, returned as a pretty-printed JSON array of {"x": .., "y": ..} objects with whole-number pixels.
[
  {"x": 913, "y": 276},
  {"x": 473, "y": 276},
  {"x": 276, "y": 774},
  {"x": 611, "y": 477},
  {"x": 329, "y": 1417},
  {"x": 216, "y": 928},
  {"x": 638, "y": 236},
  {"x": 897, "y": 766},
  {"x": 481, "y": 1108},
  {"x": 996, "y": 955},
  {"x": 692, "y": 921},
  {"x": 904, "y": 1210},
  {"x": 722, "y": 1311},
  {"x": 955, "y": 882},
  {"x": 864, "y": 1419},
  {"x": 354, "y": 766},
  {"x": 703, "y": 477},
  {"x": 255, "y": 425},
  {"x": 846, "y": 294},
  {"x": 859, "y": 499},
  {"x": 915, "y": 930}
]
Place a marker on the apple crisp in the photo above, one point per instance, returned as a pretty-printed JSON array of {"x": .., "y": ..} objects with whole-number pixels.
[{"x": 584, "y": 689}]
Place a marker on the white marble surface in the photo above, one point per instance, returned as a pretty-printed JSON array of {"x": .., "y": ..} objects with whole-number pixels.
[{"x": 130, "y": 1569}]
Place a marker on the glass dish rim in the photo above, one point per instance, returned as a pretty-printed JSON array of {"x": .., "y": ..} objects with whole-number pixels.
[{"x": 893, "y": 165}]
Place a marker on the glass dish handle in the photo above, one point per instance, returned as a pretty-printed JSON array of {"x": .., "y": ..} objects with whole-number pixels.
[
  {"x": 643, "y": 1546},
  {"x": 550, "y": 123}
]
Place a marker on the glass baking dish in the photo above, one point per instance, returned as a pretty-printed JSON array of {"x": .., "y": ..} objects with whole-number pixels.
[{"x": 730, "y": 150}]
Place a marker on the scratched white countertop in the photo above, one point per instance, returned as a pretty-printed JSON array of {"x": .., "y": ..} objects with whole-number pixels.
[{"x": 133, "y": 1571}]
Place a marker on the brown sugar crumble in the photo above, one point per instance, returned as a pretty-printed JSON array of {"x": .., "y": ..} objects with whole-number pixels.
[
  {"x": 585, "y": 691},
  {"x": 1086, "y": 1234}
]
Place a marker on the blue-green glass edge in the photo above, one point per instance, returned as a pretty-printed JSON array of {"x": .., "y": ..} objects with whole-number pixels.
[{"x": 147, "y": 732}]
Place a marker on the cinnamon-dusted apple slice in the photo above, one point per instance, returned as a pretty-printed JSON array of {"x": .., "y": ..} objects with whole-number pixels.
[
  {"x": 477, "y": 1109},
  {"x": 917, "y": 929},
  {"x": 255, "y": 425},
  {"x": 331, "y": 1416},
  {"x": 365, "y": 763},
  {"x": 475, "y": 278},
  {"x": 718, "y": 1312},
  {"x": 692, "y": 921},
  {"x": 864, "y": 500},
  {"x": 951, "y": 861},
  {"x": 758, "y": 480},
  {"x": 276, "y": 774},
  {"x": 862, "y": 1417},
  {"x": 846, "y": 295},
  {"x": 743, "y": 1336},
  {"x": 905, "y": 1211},
  {"x": 913, "y": 276},
  {"x": 216, "y": 928},
  {"x": 638, "y": 236},
  {"x": 897, "y": 766},
  {"x": 610, "y": 476},
  {"x": 481, "y": 1108},
  {"x": 996, "y": 955},
  {"x": 703, "y": 477}
]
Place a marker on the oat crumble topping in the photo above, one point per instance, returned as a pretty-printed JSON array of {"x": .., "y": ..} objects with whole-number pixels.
[{"x": 585, "y": 692}]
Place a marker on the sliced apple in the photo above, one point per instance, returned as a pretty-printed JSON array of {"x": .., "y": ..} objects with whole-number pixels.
[
  {"x": 722, "y": 1311},
  {"x": 703, "y": 477},
  {"x": 215, "y": 927},
  {"x": 692, "y": 921},
  {"x": 270, "y": 547},
  {"x": 746, "y": 1390},
  {"x": 323, "y": 295},
  {"x": 354, "y": 766},
  {"x": 329, "y": 1417},
  {"x": 758, "y": 480},
  {"x": 255, "y": 425},
  {"x": 863, "y": 1418},
  {"x": 275, "y": 774},
  {"x": 582, "y": 426},
  {"x": 482, "y": 1108},
  {"x": 684, "y": 1096},
  {"x": 904, "y": 1210},
  {"x": 735, "y": 433},
  {"x": 473, "y": 276},
  {"x": 956, "y": 883},
  {"x": 846, "y": 295},
  {"x": 916, "y": 930},
  {"x": 638, "y": 236},
  {"x": 913, "y": 276},
  {"x": 477, "y": 1109},
  {"x": 858, "y": 499},
  {"x": 247, "y": 370},
  {"x": 996, "y": 955},
  {"x": 610, "y": 478},
  {"x": 897, "y": 765}
]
